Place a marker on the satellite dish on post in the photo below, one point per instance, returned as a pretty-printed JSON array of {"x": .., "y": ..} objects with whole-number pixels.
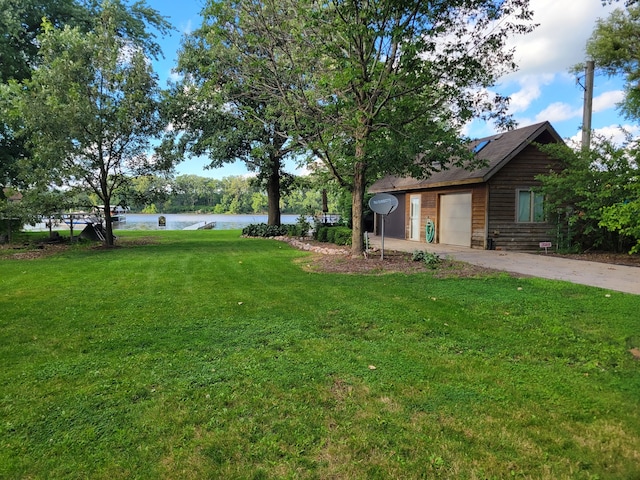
[{"x": 383, "y": 204}]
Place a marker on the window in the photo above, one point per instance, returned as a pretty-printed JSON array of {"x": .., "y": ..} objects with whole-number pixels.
[
  {"x": 530, "y": 206},
  {"x": 480, "y": 146}
]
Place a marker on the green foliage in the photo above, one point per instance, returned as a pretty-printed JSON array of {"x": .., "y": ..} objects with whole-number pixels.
[
  {"x": 264, "y": 230},
  {"x": 35, "y": 204},
  {"x": 90, "y": 111},
  {"x": 615, "y": 50},
  {"x": 431, "y": 260},
  {"x": 233, "y": 194},
  {"x": 360, "y": 86},
  {"x": 342, "y": 236},
  {"x": 333, "y": 234},
  {"x": 320, "y": 233},
  {"x": 624, "y": 217},
  {"x": 300, "y": 228},
  {"x": 20, "y": 25},
  {"x": 220, "y": 109},
  {"x": 590, "y": 191},
  {"x": 21, "y": 40},
  {"x": 150, "y": 209}
]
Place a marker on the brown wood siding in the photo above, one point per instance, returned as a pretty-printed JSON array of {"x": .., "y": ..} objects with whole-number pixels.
[
  {"x": 498, "y": 224},
  {"x": 479, "y": 216},
  {"x": 428, "y": 211},
  {"x": 505, "y": 232},
  {"x": 407, "y": 213},
  {"x": 429, "y": 208}
]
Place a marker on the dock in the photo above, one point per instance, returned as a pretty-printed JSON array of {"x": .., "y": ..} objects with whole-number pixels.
[{"x": 201, "y": 226}]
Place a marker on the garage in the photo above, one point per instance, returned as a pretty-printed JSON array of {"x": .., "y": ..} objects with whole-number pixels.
[
  {"x": 455, "y": 219},
  {"x": 481, "y": 208}
]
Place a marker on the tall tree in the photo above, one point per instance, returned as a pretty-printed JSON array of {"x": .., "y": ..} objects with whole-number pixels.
[
  {"x": 370, "y": 85},
  {"x": 615, "y": 48},
  {"x": 20, "y": 24},
  {"x": 217, "y": 111},
  {"x": 91, "y": 108}
]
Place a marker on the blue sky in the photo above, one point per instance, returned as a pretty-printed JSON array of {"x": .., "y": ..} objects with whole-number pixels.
[{"x": 542, "y": 89}]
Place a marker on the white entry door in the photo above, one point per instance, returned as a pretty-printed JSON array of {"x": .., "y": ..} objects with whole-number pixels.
[
  {"x": 414, "y": 218},
  {"x": 455, "y": 219}
]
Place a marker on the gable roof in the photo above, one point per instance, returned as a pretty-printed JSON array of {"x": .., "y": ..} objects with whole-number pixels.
[{"x": 496, "y": 151}]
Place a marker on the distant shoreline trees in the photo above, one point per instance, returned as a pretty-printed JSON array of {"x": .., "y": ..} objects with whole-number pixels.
[{"x": 233, "y": 194}]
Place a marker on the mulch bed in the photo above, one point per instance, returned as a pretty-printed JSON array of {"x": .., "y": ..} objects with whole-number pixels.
[
  {"x": 335, "y": 259},
  {"x": 332, "y": 258},
  {"x": 394, "y": 262}
]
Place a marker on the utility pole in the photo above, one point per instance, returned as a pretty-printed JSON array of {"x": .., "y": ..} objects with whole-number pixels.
[{"x": 588, "y": 105}]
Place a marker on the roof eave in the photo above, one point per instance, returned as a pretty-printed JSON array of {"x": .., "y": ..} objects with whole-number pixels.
[
  {"x": 429, "y": 186},
  {"x": 536, "y": 133}
]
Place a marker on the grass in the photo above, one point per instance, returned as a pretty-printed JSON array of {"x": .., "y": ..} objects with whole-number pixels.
[{"x": 205, "y": 355}]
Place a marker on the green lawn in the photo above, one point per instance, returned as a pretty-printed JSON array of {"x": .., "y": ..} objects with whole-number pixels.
[{"x": 204, "y": 355}]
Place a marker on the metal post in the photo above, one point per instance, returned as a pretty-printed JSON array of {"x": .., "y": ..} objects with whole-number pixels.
[
  {"x": 382, "y": 250},
  {"x": 588, "y": 105}
]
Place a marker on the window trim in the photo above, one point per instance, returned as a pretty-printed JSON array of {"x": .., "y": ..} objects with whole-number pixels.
[{"x": 535, "y": 212}]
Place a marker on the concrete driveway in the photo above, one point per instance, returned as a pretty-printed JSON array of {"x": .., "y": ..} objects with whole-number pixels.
[{"x": 612, "y": 277}]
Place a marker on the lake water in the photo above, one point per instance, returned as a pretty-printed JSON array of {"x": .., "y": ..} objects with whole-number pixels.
[{"x": 179, "y": 221}]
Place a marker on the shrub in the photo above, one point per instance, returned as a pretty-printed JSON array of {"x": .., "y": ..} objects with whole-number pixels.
[
  {"x": 337, "y": 235},
  {"x": 417, "y": 255},
  {"x": 292, "y": 230},
  {"x": 331, "y": 234},
  {"x": 300, "y": 228},
  {"x": 264, "y": 230},
  {"x": 342, "y": 235},
  {"x": 431, "y": 260},
  {"x": 321, "y": 234}
]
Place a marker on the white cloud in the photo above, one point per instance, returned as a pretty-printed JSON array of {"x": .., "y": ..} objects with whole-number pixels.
[
  {"x": 478, "y": 129},
  {"x": 174, "y": 76},
  {"x": 559, "y": 41},
  {"x": 529, "y": 92},
  {"x": 616, "y": 133},
  {"x": 187, "y": 29},
  {"x": 558, "y": 112},
  {"x": 607, "y": 100}
]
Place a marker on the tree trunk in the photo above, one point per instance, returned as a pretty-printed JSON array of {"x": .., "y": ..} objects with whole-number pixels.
[
  {"x": 273, "y": 194},
  {"x": 357, "y": 197},
  {"x": 108, "y": 238}
]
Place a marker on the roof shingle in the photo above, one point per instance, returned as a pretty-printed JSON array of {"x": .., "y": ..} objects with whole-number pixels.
[{"x": 501, "y": 148}]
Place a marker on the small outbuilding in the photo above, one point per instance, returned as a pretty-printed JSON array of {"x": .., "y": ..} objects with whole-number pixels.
[{"x": 493, "y": 207}]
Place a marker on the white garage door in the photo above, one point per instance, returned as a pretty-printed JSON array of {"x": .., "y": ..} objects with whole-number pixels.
[{"x": 455, "y": 219}]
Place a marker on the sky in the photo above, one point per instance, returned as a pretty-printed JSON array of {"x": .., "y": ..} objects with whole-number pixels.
[{"x": 542, "y": 89}]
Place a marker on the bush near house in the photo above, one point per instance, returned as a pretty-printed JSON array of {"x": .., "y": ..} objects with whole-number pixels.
[
  {"x": 264, "y": 230},
  {"x": 299, "y": 229},
  {"x": 338, "y": 235}
]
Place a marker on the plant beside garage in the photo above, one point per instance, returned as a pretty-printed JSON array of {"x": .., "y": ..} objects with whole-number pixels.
[{"x": 431, "y": 260}]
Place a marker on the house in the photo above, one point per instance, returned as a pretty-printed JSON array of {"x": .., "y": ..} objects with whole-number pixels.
[{"x": 493, "y": 207}]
